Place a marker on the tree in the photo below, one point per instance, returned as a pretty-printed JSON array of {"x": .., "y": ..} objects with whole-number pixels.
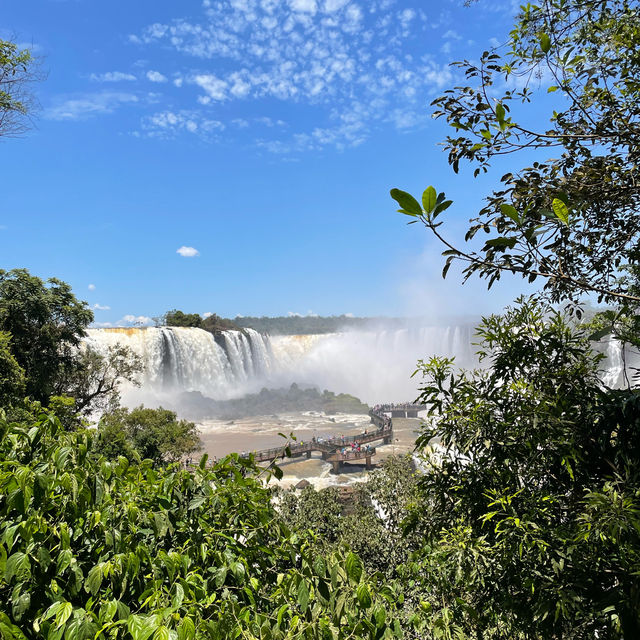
[
  {"x": 572, "y": 220},
  {"x": 177, "y": 318},
  {"x": 46, "y": 323},
  {"x": 532, "y": 522},
  {"x": 367, "y": 520},
  {"x": 18, "y": 70},
  {"x": 11, "y": 373},
  {"x": 94, "y": 380},
  {"x": 155, "y": 434}
]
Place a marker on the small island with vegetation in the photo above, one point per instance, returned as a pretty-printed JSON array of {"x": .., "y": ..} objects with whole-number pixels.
[{"x": 271, "y": 401}]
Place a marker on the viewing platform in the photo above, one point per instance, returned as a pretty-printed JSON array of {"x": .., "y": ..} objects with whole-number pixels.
[
  {"x": 331, "y": 448},
  {"x": 338, "y": 458},
  {"x": 400, "y": 409}
]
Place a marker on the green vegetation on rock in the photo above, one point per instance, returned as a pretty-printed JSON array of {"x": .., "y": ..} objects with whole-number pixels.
[{"x": 269, "y": 401}]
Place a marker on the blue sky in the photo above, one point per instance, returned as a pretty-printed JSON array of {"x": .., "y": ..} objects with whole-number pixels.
[{"x": 235, "y": 156}]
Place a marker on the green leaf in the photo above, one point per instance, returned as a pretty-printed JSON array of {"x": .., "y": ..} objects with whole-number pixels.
[
  {"x": 186, "y": 630},
  {"x": 194, "y": 503},
  {"x": 443, "y": 206},
  {"x": 20, "y": 606},
  {"x": 221, "y": 576},
  {"x": 281, "y": 611},
  {"x": 601, "y": 333},
  {"x": 17, "y": 566},
  {"x": 354, "y": 567},
  {"x": 303, "y": 596},
  {"x": 94, "y": 580},
  {"x": 162, "y": 633},
  {"x": 178, "y": 597},
  {"x": 501, "y": 242},
  {"x": 545, "y": 42},
  {"x": 63, "y": 614},
  {"x": 510, "y": 212},
  {"x": 561, "y": 210},
  {"x": 141, "y": 627},
  {"x": 429, "y": 198},
  {"x": 406, "y": 201},
  {"x": 500, "y": 112},
  {"x": 363, "y": 595}
]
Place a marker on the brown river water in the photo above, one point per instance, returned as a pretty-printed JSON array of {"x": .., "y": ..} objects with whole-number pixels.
[{"x": 221, "y": 437}]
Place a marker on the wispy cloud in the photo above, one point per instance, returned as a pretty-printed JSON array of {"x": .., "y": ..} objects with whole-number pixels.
[
  {"x": 188, "y": 252},
  {"x": 166, "y": 124},
  {"x": 133, "y": 320},
  {"x": 129, "y": 320},
  {"x": 112, "y": 76},
  {"x": 349, "y": 63},
  {"x": 88, "y": 105},
  {"x": 101, "y": 307},
  {"x": 92, "y": 287},
  {"x": 156, "y": 76}
]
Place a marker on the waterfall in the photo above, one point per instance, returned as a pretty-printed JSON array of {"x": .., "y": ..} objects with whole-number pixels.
[{"x": 372, "y": 365}]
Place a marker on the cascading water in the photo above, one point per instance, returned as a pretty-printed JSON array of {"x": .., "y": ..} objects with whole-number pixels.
[
  {"x": 369, "y": 364},
  {"x": 375, "y": 366}
]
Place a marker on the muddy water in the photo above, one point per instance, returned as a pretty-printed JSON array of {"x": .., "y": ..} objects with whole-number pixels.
[{"x": 261, "y": 432}]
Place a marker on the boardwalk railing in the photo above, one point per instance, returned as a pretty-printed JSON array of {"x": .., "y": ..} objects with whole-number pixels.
[{"x": 330, "y": 447}]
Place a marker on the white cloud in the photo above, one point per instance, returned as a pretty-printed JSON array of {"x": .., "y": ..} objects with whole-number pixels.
[
  {"x": 92, "y": 287},
  {"x": 112, "y": 76},
  {"x": 166, "y": 124},
  {"x": 330, "y": 6},
  {"x": 156, "y": 76},
  {"x": 349, "y": 61},
  {"x": 100, "y": 307},
  {"x": 215, "y": 88},
  {"x": 207, "y": 314},
  {"x": 137, "y": 321},
  {"x": 130, "y": 320},
  {"x": 306, "y": 6},
  {"x": 406, "y": 16},
  {"x": 188, "y": 252},
  {"x": 87, "y": 105}
]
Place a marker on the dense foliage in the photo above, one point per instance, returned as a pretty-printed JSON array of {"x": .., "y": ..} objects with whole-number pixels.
[
  {"x": 11, "y": 374},
  {"x": 533, "y": 525},
  {"x": 532, "y": 485},
  {"x": 95, "y": 548},
  {"x": 210, "y": 322},
  {"x": 147, "y": 434},
  {"x": 277, "y": 325},
  {"x": 43, "y": 324},
  {"x": 366, "y": 516},
  {"x": 46, "y": 323}
]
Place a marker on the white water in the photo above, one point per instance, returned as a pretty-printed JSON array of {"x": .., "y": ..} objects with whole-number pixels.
[{"x": 375, "y": 366}]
